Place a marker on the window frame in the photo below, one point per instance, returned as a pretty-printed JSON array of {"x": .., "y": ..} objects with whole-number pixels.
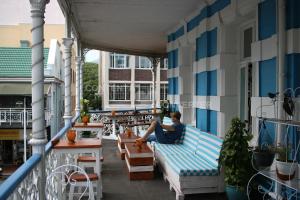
[{"x": 126, "y": 88}]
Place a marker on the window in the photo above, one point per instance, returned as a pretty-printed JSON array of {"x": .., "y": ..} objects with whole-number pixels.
[
  {"x": 24, "y": 43},
  {"x": 143, "y": 92},
  {"x": 144, "y": 63},
  {"x": 118, "y": 61},
  {"x": 119, "y": 91},
  {"x": 163, "y": 91},
  {"x": 164, "y": 64},
  {"x": 247, "y": 42}
]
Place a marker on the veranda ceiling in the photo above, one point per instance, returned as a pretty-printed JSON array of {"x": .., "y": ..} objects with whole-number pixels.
[{"x": 127, "y": 26}]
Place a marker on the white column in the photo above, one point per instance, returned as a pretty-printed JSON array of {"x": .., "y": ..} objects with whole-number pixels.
[
  {"x": 81, "y": 79},
  {"x": 154, "y": 69},
  {"x": 39, "y": 138},
  {"x": 281, "y": 63},
  {"x": 157, "y": 88},
  {"x": 132, "y": 85},
  {"x": 67, "y": 42},
  {"x": 78, "y": 65}
]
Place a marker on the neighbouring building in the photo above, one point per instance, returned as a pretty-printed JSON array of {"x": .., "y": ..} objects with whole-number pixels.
[
  {"x": 15, "y": 76},
  {"x": 126, "y": 81}
]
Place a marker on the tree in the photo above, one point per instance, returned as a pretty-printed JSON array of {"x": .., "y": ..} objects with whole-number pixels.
[{"x": 90, "y": 85}]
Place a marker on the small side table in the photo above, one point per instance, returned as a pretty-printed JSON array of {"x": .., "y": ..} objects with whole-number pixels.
[
  {"x": 139, "y": 162},
  {"x": 122, "y": 139}
]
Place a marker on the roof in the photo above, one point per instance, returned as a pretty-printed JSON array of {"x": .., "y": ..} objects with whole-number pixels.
[
  {"x": 16, "y": 62},
  {"x": 138, "y": 27}
]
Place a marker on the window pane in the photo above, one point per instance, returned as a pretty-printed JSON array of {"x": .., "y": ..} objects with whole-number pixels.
[
  {"x": 145, "y": 91},
  {"x": 247, "y": 42},
  {"x": 145, "y": 62}
]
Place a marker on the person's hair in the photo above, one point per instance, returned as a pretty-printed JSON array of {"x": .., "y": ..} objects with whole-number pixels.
[{"x": 176, "y": 114}]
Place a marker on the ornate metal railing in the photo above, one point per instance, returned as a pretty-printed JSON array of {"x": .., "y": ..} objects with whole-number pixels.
[
  {"x": 113, "y": 125},
  {"x": 23, "y": 184}
]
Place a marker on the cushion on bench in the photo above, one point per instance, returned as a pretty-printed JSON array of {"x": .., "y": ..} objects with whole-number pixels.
[
  {"x": 209, "y": 147},
  {"x": 171, "y": 148},
  {"x": 191, "y": 137},
  {"x": 189, "y": 164}
]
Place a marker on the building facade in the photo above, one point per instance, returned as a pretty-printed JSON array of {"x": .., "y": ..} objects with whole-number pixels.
[
  {"x": 126, "y": 81},
  {"x": 228, "y": 56}
]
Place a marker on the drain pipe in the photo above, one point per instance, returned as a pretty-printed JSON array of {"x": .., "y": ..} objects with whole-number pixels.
[{"x": 281, "y": 51}]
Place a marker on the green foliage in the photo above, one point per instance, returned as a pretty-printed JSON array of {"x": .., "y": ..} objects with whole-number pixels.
[
  {"x": 84, "y": 107},
  {"x": 165, "y": 109},
  {"x": 236, "y": 155},
  {"x": 90, "y": 85}
]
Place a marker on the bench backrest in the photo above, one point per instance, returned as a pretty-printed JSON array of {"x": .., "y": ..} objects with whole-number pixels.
[
  {"x": 202, "y": 143},
  {"x": 209, "y": 147}
]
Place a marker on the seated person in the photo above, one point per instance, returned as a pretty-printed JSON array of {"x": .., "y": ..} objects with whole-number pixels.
[{"x": 173, "y": 132}]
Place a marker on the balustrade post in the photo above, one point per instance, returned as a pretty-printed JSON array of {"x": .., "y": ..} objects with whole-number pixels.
[
  {"x": 78, "y": 64},
  {"x": 39, "y": 138},
  {"x": 67, "y": 42}
]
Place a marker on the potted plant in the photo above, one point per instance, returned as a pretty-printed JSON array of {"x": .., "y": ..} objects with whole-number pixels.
[
  {"x": 263, "y": 155},
  {"x": 285, "y": 167},
  {"x": 235, "y": 158},
  {"x": 164, "y": 107},
  {"x": 84, "y": 113}
]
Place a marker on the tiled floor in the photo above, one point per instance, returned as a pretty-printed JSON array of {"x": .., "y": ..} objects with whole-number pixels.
[{"x": 117, "y": 186}]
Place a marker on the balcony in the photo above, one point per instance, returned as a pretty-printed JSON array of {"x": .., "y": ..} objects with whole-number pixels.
[
  {"x": 116, "y": 184},
  {"x": 14, "y": 117}
]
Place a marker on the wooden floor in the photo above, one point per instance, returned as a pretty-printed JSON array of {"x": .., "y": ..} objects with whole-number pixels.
[{"x": 117, "y": 186}]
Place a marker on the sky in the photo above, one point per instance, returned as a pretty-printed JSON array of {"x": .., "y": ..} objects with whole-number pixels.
[{"x": 92, "y": 56}]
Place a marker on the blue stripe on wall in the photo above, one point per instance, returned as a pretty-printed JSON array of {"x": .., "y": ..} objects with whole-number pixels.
[
  {"x": 201, "y": 84},
  {"x": 177, "y": 34},
  {"x": 173, "y": 59},
  {"x": 206, "y": 12},
  {"x": 206, "y": 44},
  {"x": 267, "y": 77},
  {"x": 206, "y": 83},
  {"x": 206, "y": 120},
  {"x": 266, "y": 19},
  {"x": 201, "y": 119},
  {"x": 173, "y": 86},
  {"x": 292, "y": 15},
  {"x": 213, "y": 83},
  {"x": 293, "y": 71},
  {"x": 174, "y": 107},
  {"x": 213, "y": 121}
]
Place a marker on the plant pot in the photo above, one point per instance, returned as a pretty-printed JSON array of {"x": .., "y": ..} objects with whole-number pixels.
[
  {"x": 85, "y": 119},
  {"x": 71, "y": 136},
  {"x": 263, "y": 158},
  {"x": 234, "y": 193},
  {"x": 286, "y": 170}
]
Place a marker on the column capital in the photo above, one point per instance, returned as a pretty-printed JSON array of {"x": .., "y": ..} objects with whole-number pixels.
[
  {"x": 38, "y": 4},
  {"x": 68, "y": 42}
]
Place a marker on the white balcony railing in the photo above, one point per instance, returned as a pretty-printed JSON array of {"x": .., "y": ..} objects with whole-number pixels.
[{"x": 12, "y": 116}]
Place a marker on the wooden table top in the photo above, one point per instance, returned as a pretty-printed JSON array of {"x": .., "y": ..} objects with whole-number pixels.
[
  {"x": 125, "y": 136},
  {"x": 132, "y": 149},
  {"x": 82, "y": 143},
  {"x": 89, "y": 125}
]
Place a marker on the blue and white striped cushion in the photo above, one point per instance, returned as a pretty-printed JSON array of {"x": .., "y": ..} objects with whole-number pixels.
[
  {"x": 209, "y": 147},
  {"x": 166, "y": 149},
  {"x": 190, "y": 165},
  {"x": 191, "y": 137}
]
